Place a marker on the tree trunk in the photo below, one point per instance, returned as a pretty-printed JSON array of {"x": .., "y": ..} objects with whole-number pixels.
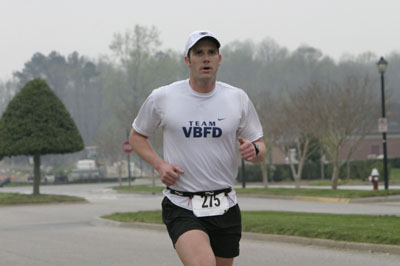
[
  {"x": 119, "y": 166},
  {"x": 36, "y": 174},
  {"x": 263, "y": 166},
  {"x": 335, "y": 174},
  {"x": 295, "y": 174},
  {"x": 348, "y": 170},
  {"x": 297, "y": 181}
]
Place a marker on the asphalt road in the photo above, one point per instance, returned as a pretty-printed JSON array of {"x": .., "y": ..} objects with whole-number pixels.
[{"x": 65, "y": 234}]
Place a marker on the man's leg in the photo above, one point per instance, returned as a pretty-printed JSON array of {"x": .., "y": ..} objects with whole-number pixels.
[
  {"x": 194, "y": 249},
  {"x": 224, "y": 261}
]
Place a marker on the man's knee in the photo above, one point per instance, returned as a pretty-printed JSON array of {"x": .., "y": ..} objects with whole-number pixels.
[
  {"x": 194, "y": 249},
  {"x": 224, "y": 261}
]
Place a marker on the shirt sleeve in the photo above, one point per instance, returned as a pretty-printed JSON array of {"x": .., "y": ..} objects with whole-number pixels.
[
  {"x": 148, "y": 119},
  {"x": 250, "y": 126}
]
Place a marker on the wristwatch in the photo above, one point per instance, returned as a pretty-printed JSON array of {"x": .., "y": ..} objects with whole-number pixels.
[{"x": 256, "y": 148}]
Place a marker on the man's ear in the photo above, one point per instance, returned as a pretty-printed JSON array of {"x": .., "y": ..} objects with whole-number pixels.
[{"x": 187, "y": 61}]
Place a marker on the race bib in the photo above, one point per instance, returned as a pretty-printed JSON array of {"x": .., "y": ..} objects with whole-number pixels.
[{"x": 210, "y": 205}]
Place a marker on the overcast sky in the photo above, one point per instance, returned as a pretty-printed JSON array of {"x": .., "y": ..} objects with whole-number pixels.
[{"x": 87, "y": 26}]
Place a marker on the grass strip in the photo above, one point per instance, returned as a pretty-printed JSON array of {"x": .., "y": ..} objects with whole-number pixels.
[
  {"x": 17, "y": 198},
  {"x": 153, "y": 217},
  {"x": 341, "y": 227},
  {"x": 310, "y": 192}
]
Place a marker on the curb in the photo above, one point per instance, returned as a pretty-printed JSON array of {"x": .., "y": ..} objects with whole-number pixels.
[
  {"x": 101, "y": 221},
  {"x": 389, "y": 249},
  {"x": 322, "y": 199},
  {"x": 393, "y": 198}
]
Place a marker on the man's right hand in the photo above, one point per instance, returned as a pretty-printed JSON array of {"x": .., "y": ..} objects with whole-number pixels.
[{"x": 169, "y": 173}]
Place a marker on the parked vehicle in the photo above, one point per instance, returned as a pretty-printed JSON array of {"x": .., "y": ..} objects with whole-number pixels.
[
  {"x": 5, "y": 181},
  {"x": 85, "y": 170},
  {"x": 44, "y": 178}
]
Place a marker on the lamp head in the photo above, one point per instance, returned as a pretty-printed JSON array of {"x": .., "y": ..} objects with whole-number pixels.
[{"x": 382, "y": 65}]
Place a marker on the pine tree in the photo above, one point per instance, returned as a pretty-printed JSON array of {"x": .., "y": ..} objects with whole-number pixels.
[{"x": 35, "y": 123}]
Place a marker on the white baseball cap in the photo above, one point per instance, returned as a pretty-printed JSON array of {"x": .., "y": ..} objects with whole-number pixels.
[{"x": 196, "y": 36}]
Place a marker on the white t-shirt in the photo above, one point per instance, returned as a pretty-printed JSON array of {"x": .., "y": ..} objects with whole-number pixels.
[{"x": 200, "y": 132}]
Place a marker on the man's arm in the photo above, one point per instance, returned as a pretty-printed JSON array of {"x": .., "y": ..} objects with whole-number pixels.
[
  {"x": 248, "y": 151},
  {"x": 169, "y": 173}
]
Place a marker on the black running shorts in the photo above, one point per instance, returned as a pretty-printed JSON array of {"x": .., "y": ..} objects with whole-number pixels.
[{"x": 224, "y": 230}]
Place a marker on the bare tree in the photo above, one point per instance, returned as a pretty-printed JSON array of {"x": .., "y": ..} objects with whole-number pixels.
[
  {"x": 341, "y": 112},
  {"x": 298, "y": 135},
  {"x": 139, "y": 66},
  {"x": 264, "y": 103},
  {"x": 290, "y": 131}
]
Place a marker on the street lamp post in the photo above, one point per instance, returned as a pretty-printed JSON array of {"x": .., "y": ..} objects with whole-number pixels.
[{"x": 382, "y": 65}]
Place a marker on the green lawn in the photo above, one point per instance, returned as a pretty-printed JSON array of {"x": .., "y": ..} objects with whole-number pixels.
[
  {"x": 349, "y": 194},
  {"x": 353, "y": 228},
  {"x": 338, "y": 193},
  {"x": 17, "y": 198},
  {"x": 394, "y": 174}
]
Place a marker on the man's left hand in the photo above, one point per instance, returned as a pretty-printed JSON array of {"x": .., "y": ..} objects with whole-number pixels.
[{"x": 247, "y": 150}]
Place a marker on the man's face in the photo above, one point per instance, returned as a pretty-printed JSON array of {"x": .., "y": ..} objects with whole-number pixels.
[{"x": 204, "y": 60}]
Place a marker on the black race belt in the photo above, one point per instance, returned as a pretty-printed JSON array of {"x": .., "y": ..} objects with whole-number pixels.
[{"x": 199, "y": 193}]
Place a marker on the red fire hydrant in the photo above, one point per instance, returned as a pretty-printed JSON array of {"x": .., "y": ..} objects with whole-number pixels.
[{"x": 374, "y": 178}]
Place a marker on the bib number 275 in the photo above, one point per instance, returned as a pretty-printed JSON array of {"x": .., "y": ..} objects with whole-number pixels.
[
  {"x": 210, "y": 205},
  {"x": 210, "y": 201}
]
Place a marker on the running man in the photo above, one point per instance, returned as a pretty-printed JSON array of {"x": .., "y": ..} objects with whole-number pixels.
[{"x": 206, "y": 125}]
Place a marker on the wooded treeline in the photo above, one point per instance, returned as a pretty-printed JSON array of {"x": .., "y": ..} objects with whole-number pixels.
[{"x": 306, "y": 100}]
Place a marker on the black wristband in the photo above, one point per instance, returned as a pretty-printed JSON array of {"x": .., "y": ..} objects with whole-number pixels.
[{"x": 256, "y": 148}]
